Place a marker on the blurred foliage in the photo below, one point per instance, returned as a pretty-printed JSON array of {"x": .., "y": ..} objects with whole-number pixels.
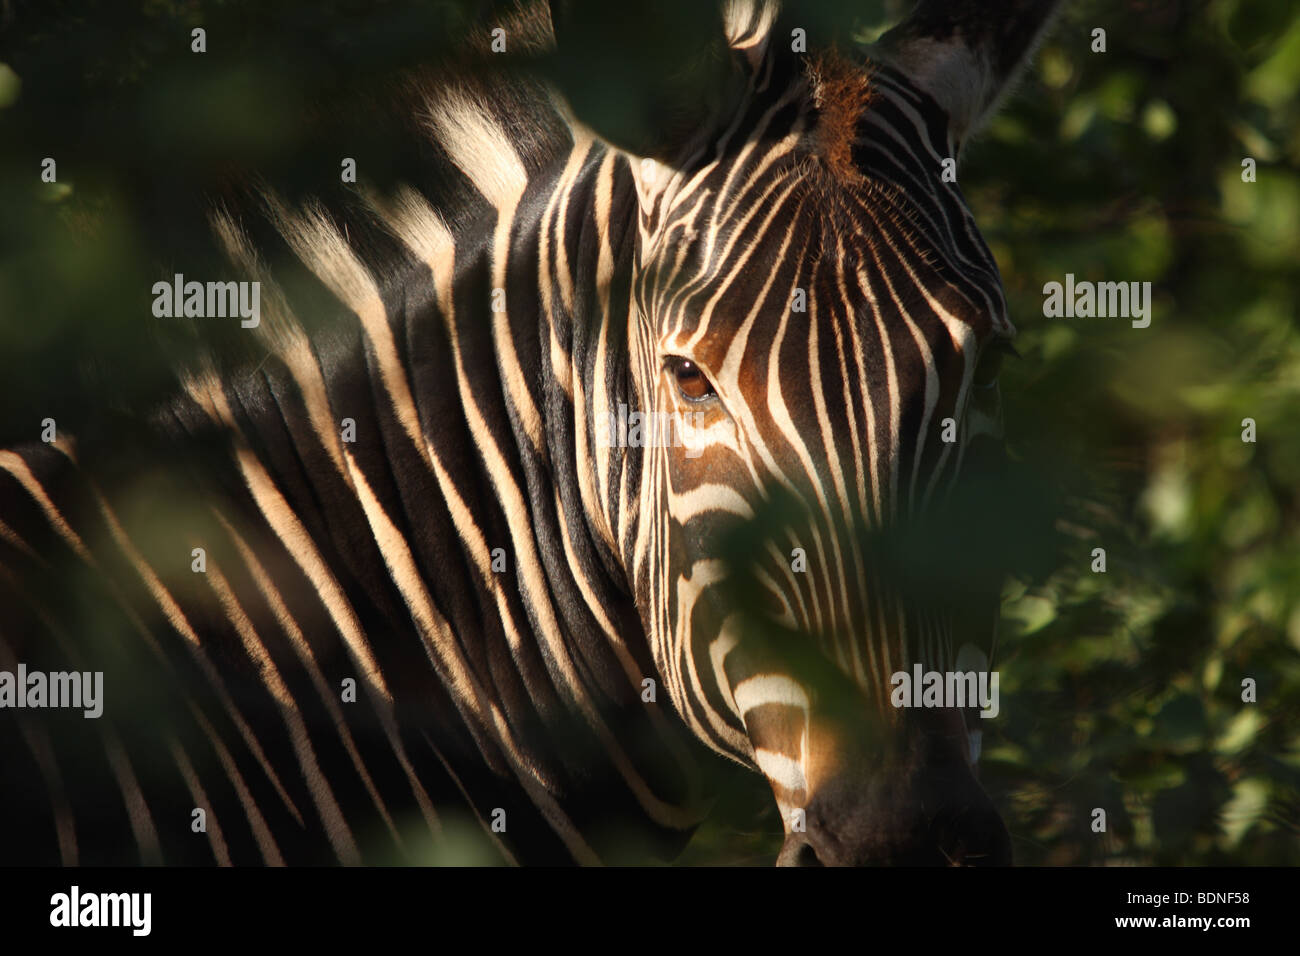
[
  {"x": 1123, "y": 690},
  {"x": 1120, "y": 690}
]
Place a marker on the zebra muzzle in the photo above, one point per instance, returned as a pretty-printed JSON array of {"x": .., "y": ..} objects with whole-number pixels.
[{"x": 905, "y": 797}]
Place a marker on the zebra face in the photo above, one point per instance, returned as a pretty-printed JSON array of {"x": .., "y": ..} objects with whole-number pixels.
[
  {"x": 815, "y": 340},
  {"x": 813, "y": 298}
]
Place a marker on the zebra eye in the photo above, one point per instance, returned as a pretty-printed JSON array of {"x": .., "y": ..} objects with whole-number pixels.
[{"x": 691, "y": 382}]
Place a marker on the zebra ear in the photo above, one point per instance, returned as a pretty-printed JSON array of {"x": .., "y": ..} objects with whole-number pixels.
[
  {"x": 645, "y": 77},
  {"x": 748, "y": 27},
  {"x": 966, "y": 53}
]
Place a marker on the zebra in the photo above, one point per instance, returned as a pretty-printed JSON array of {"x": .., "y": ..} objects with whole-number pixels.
[{"x": 399, "y": 573}]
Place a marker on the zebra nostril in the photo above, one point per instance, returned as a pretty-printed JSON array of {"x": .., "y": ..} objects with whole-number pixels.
[
  {"x": 798, "y": 852},
  {"x": 807, "y": 856}
]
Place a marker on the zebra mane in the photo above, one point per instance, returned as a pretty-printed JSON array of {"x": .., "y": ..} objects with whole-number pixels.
[
  {"x": 476, "y": 117},
  {"x": 841, "y": 92}
]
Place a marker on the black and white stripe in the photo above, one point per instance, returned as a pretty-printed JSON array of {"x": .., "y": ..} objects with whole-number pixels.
[{"x": 476, "y": 429}]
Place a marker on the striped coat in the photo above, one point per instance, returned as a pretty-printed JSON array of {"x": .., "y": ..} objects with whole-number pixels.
[{"x": 393, "y": 578}]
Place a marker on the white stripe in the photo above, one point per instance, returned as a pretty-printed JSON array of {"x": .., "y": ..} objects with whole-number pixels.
[
  {"x": 781, "y": 770},
  {"x": 770, "y": 689}
]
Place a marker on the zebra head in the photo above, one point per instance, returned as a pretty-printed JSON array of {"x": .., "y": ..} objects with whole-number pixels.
[{"x": 818, "y": 319}]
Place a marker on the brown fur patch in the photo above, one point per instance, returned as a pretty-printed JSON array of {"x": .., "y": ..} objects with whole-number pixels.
[{"x": 841, "y": 91}]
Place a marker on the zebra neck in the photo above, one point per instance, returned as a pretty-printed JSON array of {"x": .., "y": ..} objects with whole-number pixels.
[{"x": 583, "y": 248}]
